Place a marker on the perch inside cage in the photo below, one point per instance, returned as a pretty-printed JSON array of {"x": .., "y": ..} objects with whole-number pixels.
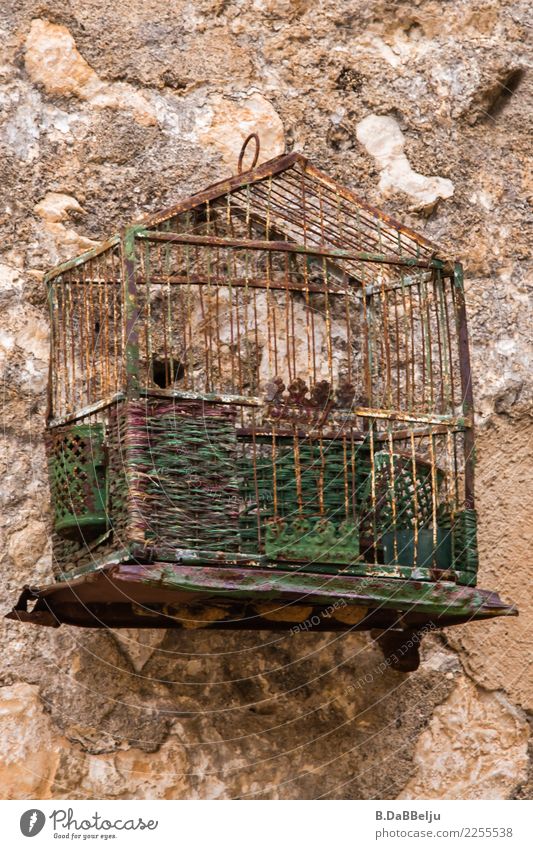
[{"x": 260, "y": 414}]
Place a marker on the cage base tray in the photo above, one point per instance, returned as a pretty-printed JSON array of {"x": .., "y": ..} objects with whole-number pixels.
[{"x": 171, "y": 595}]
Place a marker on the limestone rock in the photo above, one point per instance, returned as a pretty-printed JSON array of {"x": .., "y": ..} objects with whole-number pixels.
[
  {"x": 383, "y": 139},
  {"x": 231, "y": 120},
  {"x": 30, "y": 751},
  {"x": 53, "y": 60},
  {"x": 475, "y": 748}
]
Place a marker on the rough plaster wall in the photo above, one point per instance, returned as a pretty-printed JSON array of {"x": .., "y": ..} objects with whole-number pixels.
[{"x": 421, "y": 107}]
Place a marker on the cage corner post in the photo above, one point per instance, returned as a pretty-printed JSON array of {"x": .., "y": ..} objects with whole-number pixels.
[
  {"x": 469, "y": 531},
  {"x": 131, "y": 311}
]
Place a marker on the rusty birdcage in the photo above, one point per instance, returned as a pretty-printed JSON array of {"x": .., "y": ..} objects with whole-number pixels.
[{"x": 260, "y": 416}]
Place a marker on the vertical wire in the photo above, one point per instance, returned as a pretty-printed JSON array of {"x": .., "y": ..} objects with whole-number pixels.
[
  {"x": 54, "y": 347},
  {"x": 188, "y": 320},
  {"x": 321, "y": 474},
  {"x": 106, "y": 284},
  {"x": 429, "y": 339},
  {"x": 348, "y": 320},
  {"x": 393, "y": 492},
  {"x": 237, "y": 306},
  {"x": 256, "y": 377},
  {"x": 450, "y": 494},
  {"x": 219, "y": 278},
  {"x": 373, "y": 481},
  {"x": 329, "y": 342},
  {"x": 256, "y": 486},
  {"x": 60, "y": 356},
  {"x": 408, "y": 405},
  {"x": 72, "y": 375},
  {"x": 387, "y": 395},
  {"x": 274, "y": 473},
  {"x": 412, "y": 324},
  {"x": 207, "y": 382},
  {"x": 88, "y": 338},
  {"x": 116, "y": 319},
  {"x": 297, "y": 470},
  {"x": 271, "y": 365},
  {"x": 93, "y": 331},
  {"x": 123, "y": 317},
  {"x": 239, "y": 351},
  {"x": 415, "y": 490},
  {"x": 367, "y": 325},
  {"x": 304, "y": 209},
  {"x": 148, "y": 311},
  {"x": 209, "y": 328},
  {"x": 169, "y": 374},
  {"x": 354, "y": 475},
  {"x": 293, "y": 331},
  {"x": 80, "y": 297},
  {"x": 433, "y": 486},
  {"x": 66, "y": 320},
  {"x": 449, "y": 344},
  {"x": 423, "y": 336},
  {"x": 310, "y": 325},
  {"x": 250, "y": 360},
  {"x": 436, "y": 298},
  {"x": 166, "y": 309},
  {"x": 398, "y": 349},
  {"x": 292, "y": 375},
  {"x": 346, "y": 481},
  {"x": 228, "y": 260},
  {"x": 100, "y": 339}
]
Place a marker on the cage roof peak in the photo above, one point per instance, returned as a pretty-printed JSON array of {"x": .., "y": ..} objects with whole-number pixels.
[{"x": 294, "y": 198}]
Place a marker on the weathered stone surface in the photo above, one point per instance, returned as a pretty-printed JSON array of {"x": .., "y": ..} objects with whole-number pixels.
[
  {"x": 475, "y": 748},
  {"x": 384, "y": 140},
  {"x": 30, "y": 748},
  {"x": 106, "y": 117}
]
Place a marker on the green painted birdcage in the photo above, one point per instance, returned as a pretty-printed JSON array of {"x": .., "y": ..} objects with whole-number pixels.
[{"x": 261, "y": 416}]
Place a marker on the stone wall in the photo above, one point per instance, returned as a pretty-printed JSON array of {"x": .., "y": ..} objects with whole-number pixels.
[{"x": 421, "y": 107}]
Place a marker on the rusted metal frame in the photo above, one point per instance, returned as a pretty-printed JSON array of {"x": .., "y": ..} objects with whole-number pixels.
[
  {"x": 403, "y": 416},
  {"x": 280, "y": 231},
  {"x": 397, "y": 351},
  {"x": 259, "y": 245},
  {"x": 90, "y": 409},
  {"x": 449, "y": 338},
  {"x": 52, "y": 376},
  {"x": 446, "y": 366},
  {"x": 81, "y": 258},
  {"x": 282, "y": 214},
  {"x": 187, "y": 326},
  {"x": 366, "y": 226},
  {"x": 211, "y": 397},
  {"x": 130, "y": 315},
  {"x": 145, "y": 266},
  {"x": 271, "y": 169},
  {"x": 466, "y": 385},
  {"x": 223, "y": 187},
  {"x": 70, "y": 375},
  {"x": 385, "y": 338},
  {"x": 70, "y": 604},
  {"x": 430, "y": 334},
  {"x": 375, "y": 213},
  {"x": 445, "y": 598},
  {"x": 408, "y": 282}
]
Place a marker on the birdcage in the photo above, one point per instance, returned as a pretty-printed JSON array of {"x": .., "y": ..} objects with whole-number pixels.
[{"x": 260, "y": 416}]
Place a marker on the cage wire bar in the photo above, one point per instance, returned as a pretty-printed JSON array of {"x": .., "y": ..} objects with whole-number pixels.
[{"x": 270, "y": 375}]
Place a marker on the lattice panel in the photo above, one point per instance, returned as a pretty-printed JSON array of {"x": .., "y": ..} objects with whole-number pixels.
[{"x": 76, "y": 461}]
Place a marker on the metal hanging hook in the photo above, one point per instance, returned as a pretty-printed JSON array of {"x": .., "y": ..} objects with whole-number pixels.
[{"x": 247, "y": 140}]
